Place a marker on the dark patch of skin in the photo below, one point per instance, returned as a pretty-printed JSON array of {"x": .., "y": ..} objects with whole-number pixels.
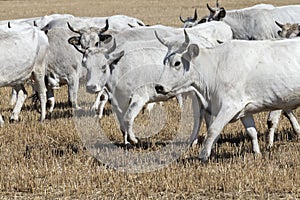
[{"x": 270, "y": 124}]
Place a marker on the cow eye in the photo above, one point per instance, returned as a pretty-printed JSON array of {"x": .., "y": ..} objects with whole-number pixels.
[
  {"x": 177, "y": 63},
  {"x": 97, "y": 43},
  {"x": 103, "y": 68}
]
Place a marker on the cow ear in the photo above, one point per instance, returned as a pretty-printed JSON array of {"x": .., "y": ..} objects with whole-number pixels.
[
  {"x": 203, "y": 20},
  {"x": 115, "y": 58},
  {"x": 222, "y": 13},
  {"x": 193, "y": 51},
  {"x": 105, "y": 38},
  {"x": 74, "y": 40}
]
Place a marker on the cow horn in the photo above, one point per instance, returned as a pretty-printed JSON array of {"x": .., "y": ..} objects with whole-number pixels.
[
  {"x": 72, "y": 29},
  {"x": 112, "y": 48},
  {"x": 217, "y": 4},
  {"x": 210, "y": 9},
  {"x": 8, "y": 25},
  {"x": 278, "y": 24},
  {"x": 195, "y": 15},
  {"x": 106, "y": 27},
  {"x": 186, "y": 40},
  {"x": 182, "y": 20},
  {"x": 34, "y": 23},
  {"x": 162, "y": 41}
]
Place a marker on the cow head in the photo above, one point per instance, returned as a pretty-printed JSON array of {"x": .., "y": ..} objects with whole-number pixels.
[
  {"x": 90, "y": 37},
  {"x": 177, "y": 65},
  {"x": 190, "y": 21},
  {"x": 288, "y": 30},
  {"x": 216, "y": 14},
  {"x": 99, "y": 63}
]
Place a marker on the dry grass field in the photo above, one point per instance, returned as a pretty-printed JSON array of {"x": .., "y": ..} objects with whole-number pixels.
[{"x": 49, "y": 161}]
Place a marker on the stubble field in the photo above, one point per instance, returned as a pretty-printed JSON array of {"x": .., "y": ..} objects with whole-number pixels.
[{"x": 48, "y": 160}]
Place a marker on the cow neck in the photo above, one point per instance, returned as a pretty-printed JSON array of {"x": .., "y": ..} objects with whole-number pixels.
[{"x": 205, "y": 66}]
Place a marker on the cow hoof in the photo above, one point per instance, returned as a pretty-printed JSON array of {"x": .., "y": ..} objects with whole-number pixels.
[
  {"x": 135, "y": 140},
  {"x": 128, "y": 146},
  {"x": 203, "y": 156},
  {"x": 194, "y": 143},
  {"x": 13, "y": 120},
  {"x": 269, "y": 147},
  {"x": 257, "y": 156}
]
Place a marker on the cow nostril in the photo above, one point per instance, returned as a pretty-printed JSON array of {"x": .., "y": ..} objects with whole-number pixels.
[
  {"x": 91, "y": 88},
  {"x": 159, "y": 89}
]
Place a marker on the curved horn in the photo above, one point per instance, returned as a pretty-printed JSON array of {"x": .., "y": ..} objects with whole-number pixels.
[
  {"x": 8, "y": 25},
  {"x": 186, "y": 40},
  {"x": 278, "y": 24},
  {"x": 72, "y": 29},
  {"x": 195, "y": 14},
  {"x": 105, "y": 28},
  {"x": 112, "y": 48},
  {"x": 210, "y": 9},
  {"x": 162, "y": 41},
  {"x": 217, "y": 4},
  {"x": 182, "y": 20}
]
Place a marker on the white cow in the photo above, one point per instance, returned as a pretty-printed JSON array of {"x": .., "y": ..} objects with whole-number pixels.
[
  {"x": 194, "y": 21},
  {"x": 23, "y": 49},
  {"x": 255, "y": 23},
  {"x": 19, "y": 93},
  {"x": 235, "y": 80}
]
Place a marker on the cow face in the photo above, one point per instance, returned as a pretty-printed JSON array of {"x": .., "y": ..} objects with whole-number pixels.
[
  {"x": 288, "y": 30},
  {"x": 99, "y": 63},
  {"x": 190, "y": 21},
  {"x": 176, "y": 74},
  {"x": 90, "y": 37}
]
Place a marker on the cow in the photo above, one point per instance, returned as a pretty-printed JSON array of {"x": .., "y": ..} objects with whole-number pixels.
[
  {"x": 255, "y": 23},
  {"x": 19, "y": 93},
  {"x": 193, "y": 21},
  {"x": 288, "y": 30},
  {"x": 234, "y": 85},
  {"x": 23, "y": 50}
]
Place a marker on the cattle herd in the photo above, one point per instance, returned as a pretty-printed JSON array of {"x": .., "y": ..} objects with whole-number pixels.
[{"x": 211, "y": 60}]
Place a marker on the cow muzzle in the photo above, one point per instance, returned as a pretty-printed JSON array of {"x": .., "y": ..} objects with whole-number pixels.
[
  {"x": 160, "y": 89},
  {"x": 93, "y": 89}
]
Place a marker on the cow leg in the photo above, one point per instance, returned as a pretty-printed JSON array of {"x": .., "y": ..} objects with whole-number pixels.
[
  {"x": 1, "y": 121},
  {"x": 50, "y": 99},
  {"x": 249, "y": 125},
  {"x": 21, "y": 97},
  {"x": 290, "y": 115},
  {"x": 198, "y": 117},
  {"x": 179, "y": 100},
  {"x": 41, "y": 89},
  {"x": 273, "y": 120},
  {"x": 73, "y": 87},
  {"x": 223, "y": 117},
  {"x": 102, "y": 104},
  {"x": 135, "y": 106},
  {"x": 13, "y": 98}
]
